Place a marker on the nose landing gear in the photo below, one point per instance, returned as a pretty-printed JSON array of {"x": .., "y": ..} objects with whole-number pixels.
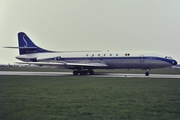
[{"x": 147, "y": 72}]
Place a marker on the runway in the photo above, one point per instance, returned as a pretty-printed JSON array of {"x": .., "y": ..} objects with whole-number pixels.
[{"x": 23, "y": 73}]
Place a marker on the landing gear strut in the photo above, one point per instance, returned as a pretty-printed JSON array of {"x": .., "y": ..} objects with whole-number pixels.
[{"x": 83, "y": 72}]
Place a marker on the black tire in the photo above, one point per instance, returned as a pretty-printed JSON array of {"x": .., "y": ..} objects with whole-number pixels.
[
  {"x": 75, "y": 72},
  {"x": 91, "y": 72},
  {"x": 147, "y": 73},
  {"x": 85, "y": 72},
  {"x": 81, "y": 72}
]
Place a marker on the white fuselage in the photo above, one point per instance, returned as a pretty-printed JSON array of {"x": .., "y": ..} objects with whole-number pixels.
[{"x": 113, "y": 60}]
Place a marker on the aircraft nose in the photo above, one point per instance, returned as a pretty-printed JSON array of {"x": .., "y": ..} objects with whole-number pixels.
[{"x": 174, "y": 62}]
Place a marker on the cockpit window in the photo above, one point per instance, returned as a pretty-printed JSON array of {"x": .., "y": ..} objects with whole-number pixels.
[{"x": 168, "y": 57}]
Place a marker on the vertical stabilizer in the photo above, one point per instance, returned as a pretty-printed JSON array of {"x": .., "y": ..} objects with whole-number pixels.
[{"x": 26, "y": 46}]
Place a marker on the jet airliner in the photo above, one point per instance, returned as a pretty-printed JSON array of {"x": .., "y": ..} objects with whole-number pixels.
[{"x": 84, "y": 62}]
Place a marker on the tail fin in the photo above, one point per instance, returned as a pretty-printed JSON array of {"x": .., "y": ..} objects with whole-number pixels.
[{"x": 26, "y": 46}]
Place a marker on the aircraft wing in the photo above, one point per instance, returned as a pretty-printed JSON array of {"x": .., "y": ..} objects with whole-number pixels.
[
  {"x": 65, "y": 64},
  {"x": 87, "y": 64},
  {"x": 43, "y": 63}
]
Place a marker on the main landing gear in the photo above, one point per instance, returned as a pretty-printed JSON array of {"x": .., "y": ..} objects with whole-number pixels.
[{"x": 83, "y": 72}]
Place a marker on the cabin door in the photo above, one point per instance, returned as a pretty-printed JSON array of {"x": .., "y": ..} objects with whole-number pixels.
[{"x": 141, "y": 58}]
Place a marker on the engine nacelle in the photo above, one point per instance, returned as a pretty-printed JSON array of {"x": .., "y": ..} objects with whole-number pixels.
[{"x": 40, "y": 59}]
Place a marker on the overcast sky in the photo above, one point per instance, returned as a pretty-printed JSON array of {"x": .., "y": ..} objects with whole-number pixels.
[{"x": 115, "y": 25}]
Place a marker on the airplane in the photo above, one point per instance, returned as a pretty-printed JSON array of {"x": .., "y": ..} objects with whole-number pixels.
[{"x": 84, "y": 62}]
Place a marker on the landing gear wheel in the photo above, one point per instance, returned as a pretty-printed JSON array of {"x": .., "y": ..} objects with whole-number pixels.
[
  {"x": 82, "y": 72},
  {"x": 147, "y": 73},
  {"x": 75, "y": 72},
  {"x": 91, "y": 72},
  {"x": 85, "y": 72}
]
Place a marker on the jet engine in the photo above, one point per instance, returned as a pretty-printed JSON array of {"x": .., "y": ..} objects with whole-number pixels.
[{"x": 42, "y": 59}]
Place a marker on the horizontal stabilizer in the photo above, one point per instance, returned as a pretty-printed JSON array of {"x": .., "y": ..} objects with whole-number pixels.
[{"x": 22, "y": 47}]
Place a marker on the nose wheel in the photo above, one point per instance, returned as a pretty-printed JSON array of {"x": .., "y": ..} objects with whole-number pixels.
[{"x": 147, "y": 73}]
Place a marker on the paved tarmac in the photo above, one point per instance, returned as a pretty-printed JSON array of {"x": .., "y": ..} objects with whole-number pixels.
[{"x": 23, "y": 73}]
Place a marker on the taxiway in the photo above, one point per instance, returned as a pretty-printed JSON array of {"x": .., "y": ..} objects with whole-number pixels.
[{"x": 23, "y": 73}]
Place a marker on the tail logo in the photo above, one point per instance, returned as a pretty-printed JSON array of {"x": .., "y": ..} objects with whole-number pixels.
[{"x": 26, "y": 44}]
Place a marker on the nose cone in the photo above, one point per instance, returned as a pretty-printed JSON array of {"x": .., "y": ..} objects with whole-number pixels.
[{"x": 174, "y": 62}]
